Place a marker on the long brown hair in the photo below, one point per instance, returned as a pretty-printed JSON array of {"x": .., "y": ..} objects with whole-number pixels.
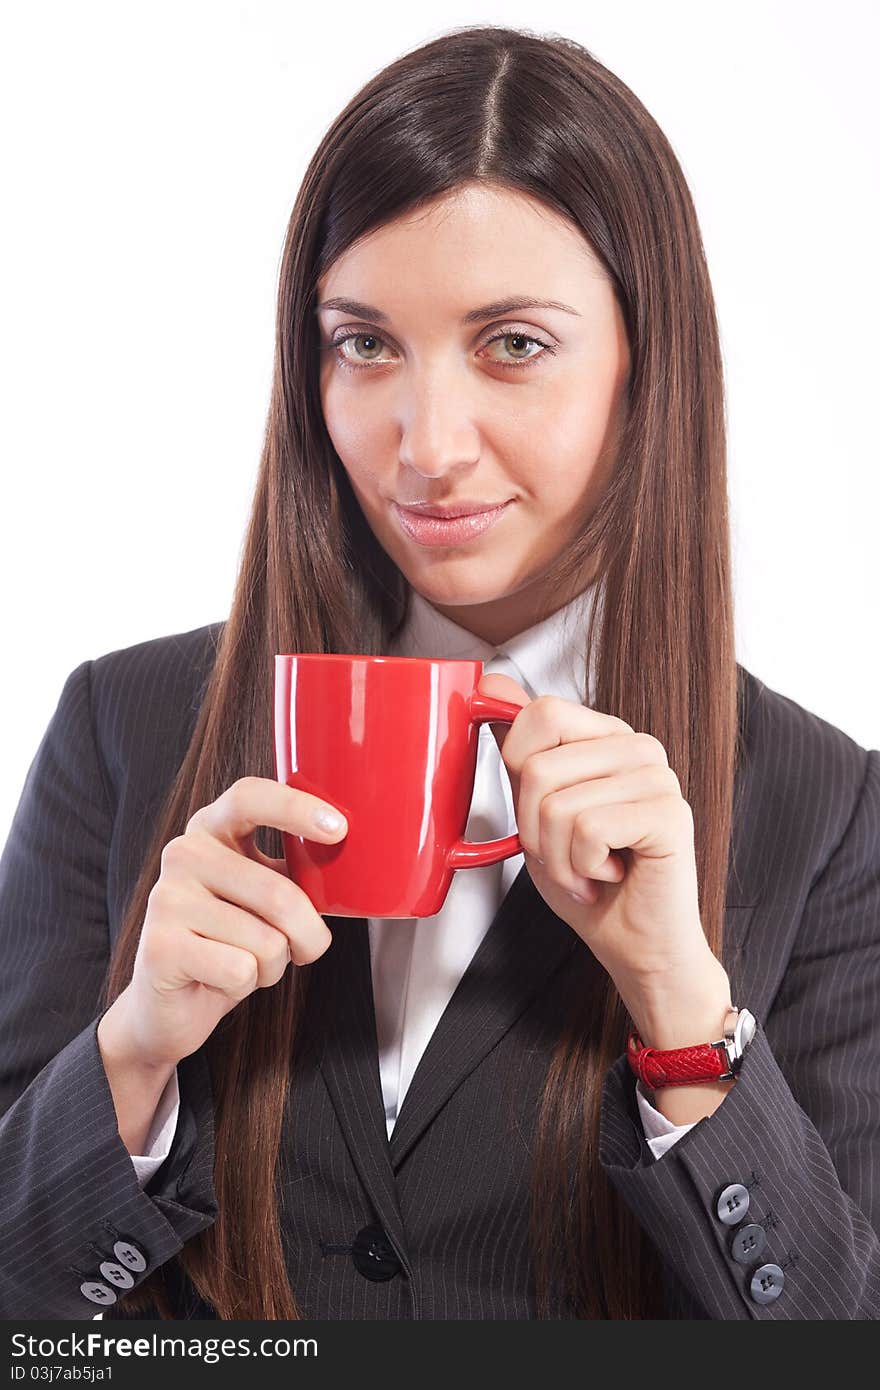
[{"x": 541, "y": 115}]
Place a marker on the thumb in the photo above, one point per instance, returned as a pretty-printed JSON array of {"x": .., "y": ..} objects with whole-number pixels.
[{"x": 502, "y": 687}]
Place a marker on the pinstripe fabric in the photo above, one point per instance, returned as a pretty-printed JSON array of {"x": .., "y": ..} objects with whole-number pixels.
[{"x": 800, "y": 1128}]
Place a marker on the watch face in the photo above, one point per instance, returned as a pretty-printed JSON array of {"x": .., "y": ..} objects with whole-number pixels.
[{"x": 746, "y": 1024}]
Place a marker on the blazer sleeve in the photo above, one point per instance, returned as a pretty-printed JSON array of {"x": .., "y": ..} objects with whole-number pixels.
[
  {"x": 70, "y": 1199},
  {"x": 797, "y": 1138}
]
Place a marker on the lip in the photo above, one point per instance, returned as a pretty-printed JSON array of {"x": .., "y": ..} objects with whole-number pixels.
[
  {"x": 454, "y": 509},
  {"x": 452, "y": 527}
]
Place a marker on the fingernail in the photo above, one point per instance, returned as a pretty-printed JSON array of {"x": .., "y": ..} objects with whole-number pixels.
[
  {"x": 327, "y": 819},
  {"x": 577, "y": 897}
]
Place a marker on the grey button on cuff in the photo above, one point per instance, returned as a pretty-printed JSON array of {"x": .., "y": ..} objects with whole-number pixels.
[
  {"x": 115, "y": 1274},
  {"x": 98, "y": 1292},
  {"x": 747, "y": 1243},
  {"x": 129, "y": 1256},
  {"x": 767, "y": 1282},
  {"x": 119, "y": 1272},
  {"x": 732, "y": 1204}
]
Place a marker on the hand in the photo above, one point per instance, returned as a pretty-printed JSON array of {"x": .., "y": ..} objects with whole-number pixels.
[
  {"x": 223, "y": 919},
  {"x": 600, "y": 815}
]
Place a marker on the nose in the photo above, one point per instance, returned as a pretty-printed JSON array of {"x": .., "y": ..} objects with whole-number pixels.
[{"x": 438, "y": 435}]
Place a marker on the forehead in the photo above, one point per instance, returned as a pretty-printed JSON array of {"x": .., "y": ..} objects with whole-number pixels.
[{"x": 476, "y": 244}]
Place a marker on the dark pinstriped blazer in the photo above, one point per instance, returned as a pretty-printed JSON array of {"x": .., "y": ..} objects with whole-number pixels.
[{"x": 800, "y": 1130}]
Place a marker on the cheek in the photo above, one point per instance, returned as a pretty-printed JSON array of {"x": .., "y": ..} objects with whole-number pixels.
[
  {"x": 353, "y": 433},
  {"x": 567, "y": 435}
]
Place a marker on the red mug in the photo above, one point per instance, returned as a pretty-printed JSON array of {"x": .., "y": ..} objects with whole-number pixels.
[{"x": 391, "y": 742}]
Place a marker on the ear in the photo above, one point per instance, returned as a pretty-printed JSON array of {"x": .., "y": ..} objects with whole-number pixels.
[{"x": 502, "y": 688}]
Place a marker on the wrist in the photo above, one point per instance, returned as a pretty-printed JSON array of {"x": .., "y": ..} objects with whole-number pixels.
[
  {"x": 120, "y": 1049},
  {"x": 685, "y": 1012},
  {"x": 135, "y": 1085}
]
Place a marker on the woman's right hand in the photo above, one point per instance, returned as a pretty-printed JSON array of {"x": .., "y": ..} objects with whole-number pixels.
[{"x": 223, "y": 919}]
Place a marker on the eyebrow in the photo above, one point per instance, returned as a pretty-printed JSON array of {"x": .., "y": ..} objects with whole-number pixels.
[{"x": 500, "y": 309}]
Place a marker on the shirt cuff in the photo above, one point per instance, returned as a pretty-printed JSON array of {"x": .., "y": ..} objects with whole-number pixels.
[
  {"x": 660, "y": 1132},
  {"x": 160, "y": 1134}
]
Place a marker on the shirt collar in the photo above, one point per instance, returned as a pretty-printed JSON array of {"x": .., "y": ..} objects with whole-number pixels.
[{"x": 550, "y": 656}]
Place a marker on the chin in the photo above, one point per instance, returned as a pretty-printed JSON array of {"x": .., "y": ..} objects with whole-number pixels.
[{"x": 457, "y": 595}]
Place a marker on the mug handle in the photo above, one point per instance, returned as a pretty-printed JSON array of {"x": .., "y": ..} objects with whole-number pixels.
[{"x": 468, "y": 854}]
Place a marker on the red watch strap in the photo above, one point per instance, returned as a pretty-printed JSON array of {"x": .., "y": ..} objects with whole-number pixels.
[{"x": 679, "y": 1066}]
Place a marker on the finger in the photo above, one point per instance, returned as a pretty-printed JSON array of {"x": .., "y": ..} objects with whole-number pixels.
[
  {"x": 587, "y": 890},
  {"x": 581, "y": 764},
  {"x": 274, "y": 948},
  {"x": 238, "y": 879},
  {"x": 548, "y": 722},
  {"x": 560, "y": 866},
  {"x": 502, "y": 687},
  {"x": 213, "y": 919},
  {"x": 215, "y": 964},
  {"x": 656, "y": 828},
  {"x": 256, "y": 801},
  {"x": 586, "y": 804},
  {"x": 612, "y": 869},
  {"x": 217, "y": 921}
]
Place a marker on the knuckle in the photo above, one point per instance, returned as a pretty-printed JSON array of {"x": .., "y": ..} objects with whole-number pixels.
[
  {"x": 545, "y": 710},
  {"x": 651, "y": 747},
  {"x": 154, "y": 946},
  {"x": 281, "y": 903},
  {"x": 158, "y": 901},
  {"x": 243, "y": 794},
  {"x": 303, "y": 952},
  {"x": 530, "y": 774},
  {"x": 586, "y": 827},
  {"x": 279, "y": 959},
  {"x": 195, "y": 821},
  {"x": 615, "y": 723},
  {"x": 552, "y": 814},
  {"x": 237, "y": 795},
  {"x": 175, "y": 853},
  {"x": 274, "y": 949},
  {"x": 244, "y": 972},
  {"x": 671, "y": 776}
]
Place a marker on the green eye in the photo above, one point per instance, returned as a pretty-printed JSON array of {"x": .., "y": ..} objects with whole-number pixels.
[
  {"x": 506, "y": 335},
  {"x": 523, "y": 338}
]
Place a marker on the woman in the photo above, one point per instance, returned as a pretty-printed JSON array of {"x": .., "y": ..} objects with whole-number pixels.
[{"x": 694, "y": 843}]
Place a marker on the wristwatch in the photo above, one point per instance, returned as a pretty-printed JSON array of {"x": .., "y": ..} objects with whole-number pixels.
[{"x": 682, "y": 1066}]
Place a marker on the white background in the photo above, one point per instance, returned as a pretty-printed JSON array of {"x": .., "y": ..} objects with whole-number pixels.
[{"x": 151, "y": 157}]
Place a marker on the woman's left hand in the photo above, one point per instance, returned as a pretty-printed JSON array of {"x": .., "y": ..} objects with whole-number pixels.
[{"x": 600, "y": 815}]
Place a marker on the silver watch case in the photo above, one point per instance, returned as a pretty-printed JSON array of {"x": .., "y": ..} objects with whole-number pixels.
[{"x": 739, "y": 1029}]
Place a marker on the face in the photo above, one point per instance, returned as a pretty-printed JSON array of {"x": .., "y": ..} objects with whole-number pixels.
[{"x": 433, "y": 392}]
